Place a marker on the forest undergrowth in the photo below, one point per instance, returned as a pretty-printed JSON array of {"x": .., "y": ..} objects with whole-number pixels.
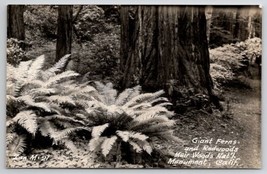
[{"x": 238, "y": 123}]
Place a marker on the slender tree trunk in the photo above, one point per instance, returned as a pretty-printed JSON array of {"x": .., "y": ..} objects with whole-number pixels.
[
  {"x": 64, "y": 31},
  {"x": 237, "y": 26},
  {"x": 208, "y": 13},
  {"x": 163, "y": 45},
  {"x": 15, "y": 24},
  {"x": 251, "y": 25},
  {"x": 241, "y": 30}
]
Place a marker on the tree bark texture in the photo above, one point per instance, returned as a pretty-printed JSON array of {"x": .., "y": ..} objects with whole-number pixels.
[
  {"x": 15, "y": 23},
  {"x": 163, "y": 45},
  {"x": 64, "y": 30}
]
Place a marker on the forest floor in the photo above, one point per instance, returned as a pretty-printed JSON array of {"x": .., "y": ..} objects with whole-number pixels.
[
  {"x": 247, "y": 111},
  {"x": 237, "y": 127}
]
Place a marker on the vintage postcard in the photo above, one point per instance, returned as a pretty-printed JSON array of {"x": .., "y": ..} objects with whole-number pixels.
[{"x": 133, "y": 86}]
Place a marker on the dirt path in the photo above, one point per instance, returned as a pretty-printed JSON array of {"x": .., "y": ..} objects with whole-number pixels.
[
  {"x": 241, "y": 123},
  {"x": 246, "y": 109}
]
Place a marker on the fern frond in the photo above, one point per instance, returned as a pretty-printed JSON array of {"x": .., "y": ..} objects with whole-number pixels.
[
  {"x": 35, "y": 67},
  {"x": 152, "y": 112},
  {"x": 100, "y": 86},
  {"x": 110, "y": 96},
  {"x": 10, "y": 88},
  {"x": 147, "y": 147},
  {"x": 126, "y": 135},
  {"x": 107, "y": 93},
  {"x": 97, "y": 105},
  {"x": 62, "y": 118},
  {"x": 9, "y": 122},
  {"x": 98, "y": 130},
  {"x": 17, "y": 89},
  {"x": 31, "y": 84},
  {"x": 147, "y": 97},
  {"x": 127, "y": 94},
  {"x": 10, "y": 137},
  {"x": 11, "y": 99},
  {"x": 173, "y": 138},
  {"x": 135, "y": 146},
  {"x": 60, "y": 77},
  {"x": 28, "y": 120},
  {"x": 61, "y": 99},
  {"x": 42, "y": 91},
  {"x": 165, "y": 104},
  {"x": 164, "y": 126},
  {"x": 159, "y": 99},
  {"x": 77, "y": 90},
  {"x": 17, "y": 146},
  {"x": 59, "y": 135},
  {"x": 34, "y": 82},
  {"x": 142, "y": 106},
  {"x": 46, "y": 128},
  {"x": 69, "y": 144},
  {"x": 28, "y": 100},
  {"x": 58, "y": 66},
  {"x": 107, "y": 145},
  {"x": 138, "y": 136},
  {"x": 22, "y": 70},
  {"x": 11, "y": 71},
  {"x": 95, "y": 143},
  {"x": 144, "y": 123}
]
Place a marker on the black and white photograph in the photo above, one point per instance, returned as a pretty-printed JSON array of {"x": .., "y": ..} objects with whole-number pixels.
[{"x": 133, "y": 86}]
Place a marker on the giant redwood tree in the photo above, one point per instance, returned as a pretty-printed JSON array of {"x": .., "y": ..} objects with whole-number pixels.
[
  {"x": 162, "y": 45},
  {"x": 15, "y": 22},
  {"x": 64, "y": 30}
]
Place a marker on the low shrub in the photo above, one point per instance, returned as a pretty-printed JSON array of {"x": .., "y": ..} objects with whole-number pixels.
[
  {"x": 231, "y": 61},
  {"x": 15, "y": 54}
]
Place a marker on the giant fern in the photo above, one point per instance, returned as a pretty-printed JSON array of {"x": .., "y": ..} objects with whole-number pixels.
[
  {"x": 41, "y": 100},
  {"x": 129, "y": 117}
]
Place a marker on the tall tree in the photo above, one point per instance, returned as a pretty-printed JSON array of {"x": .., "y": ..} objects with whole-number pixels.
[
  {"x": 15, "y": 24},
  {"x": 208, "y": 13},
  {"x": 64, "y": 30},
  {"x": 163, "y": 45},
  {"x": 241, "y": 25}
]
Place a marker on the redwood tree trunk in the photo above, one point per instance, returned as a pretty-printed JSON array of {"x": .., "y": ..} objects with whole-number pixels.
[
  {"x": 64, "y": 31},
  {"x": 15, "y": 24},
  {"x": 163, "y": 45}
]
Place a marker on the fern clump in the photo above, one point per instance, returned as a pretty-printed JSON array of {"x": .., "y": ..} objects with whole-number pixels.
[
  {"x": 129, "y": 122},
  {"x": 41, "y": 102}
]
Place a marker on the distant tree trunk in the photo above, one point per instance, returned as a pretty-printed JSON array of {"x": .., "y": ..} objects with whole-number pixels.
[
  {"x": 15, "y": 24},
  {"x": 250, "y": 27},
  {"x": 251, "y": 24},
  {"x": 237, "y": 26},
  {"x": 241, "y": 30},
  {"x": 163, "y": 45},
  {"x": 208, "y": 13},
  {"x": 64, "y": 31}
]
